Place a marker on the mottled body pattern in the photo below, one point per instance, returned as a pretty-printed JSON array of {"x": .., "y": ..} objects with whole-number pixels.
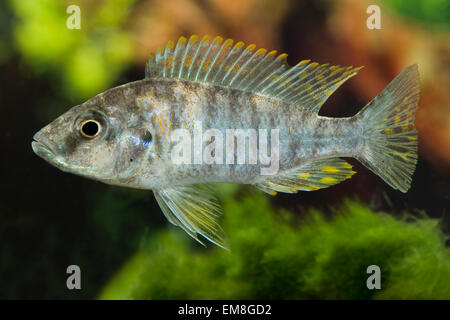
[
  {"x": 124, "y": 135},
  {"x": 167, "y": 105}
]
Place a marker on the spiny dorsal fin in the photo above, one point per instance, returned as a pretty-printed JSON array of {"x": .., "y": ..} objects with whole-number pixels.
[
  {"x": 194, "y": 209},
  {"x": 218, "y": 62},
  {"x": 312, "y": 176}
]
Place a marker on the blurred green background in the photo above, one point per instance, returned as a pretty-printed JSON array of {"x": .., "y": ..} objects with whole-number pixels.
[{"x": 310, "y": 245}]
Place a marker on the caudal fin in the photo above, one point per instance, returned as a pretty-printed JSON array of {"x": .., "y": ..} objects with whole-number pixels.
[{"x": 390, "y": 148}]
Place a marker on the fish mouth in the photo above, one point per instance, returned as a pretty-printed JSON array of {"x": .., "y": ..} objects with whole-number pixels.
[{"x": 41, "y": 148}]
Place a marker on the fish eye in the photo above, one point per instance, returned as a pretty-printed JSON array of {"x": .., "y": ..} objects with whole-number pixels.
[
  {"x": 90, "y": 128},
  {"x": 147, "y": 138}
]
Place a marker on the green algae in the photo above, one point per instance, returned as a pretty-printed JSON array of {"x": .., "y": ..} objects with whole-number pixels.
[{"x": 278, "y": 256}]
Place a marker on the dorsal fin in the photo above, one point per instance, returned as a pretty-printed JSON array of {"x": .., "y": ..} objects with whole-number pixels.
[{"x": 218, "y": 62}]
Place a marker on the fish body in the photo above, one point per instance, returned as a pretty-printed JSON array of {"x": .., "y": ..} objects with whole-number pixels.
[
  {"x": 209, "y": 112},
  {"x": 167, "y": 105}
]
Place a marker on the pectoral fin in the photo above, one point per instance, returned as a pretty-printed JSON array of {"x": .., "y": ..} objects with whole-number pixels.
[
  {"x": 194, "y": 209},
  {"x": 311, "y": 176}
]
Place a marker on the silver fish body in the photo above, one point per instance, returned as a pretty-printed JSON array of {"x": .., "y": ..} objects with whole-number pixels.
[{"x": 168, "y": 105}]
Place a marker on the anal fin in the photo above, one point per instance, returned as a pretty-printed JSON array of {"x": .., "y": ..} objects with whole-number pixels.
[{"x": 311, "y": 176}]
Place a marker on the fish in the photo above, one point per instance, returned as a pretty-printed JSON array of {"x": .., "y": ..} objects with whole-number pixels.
[{"x": 212, "y": 111}]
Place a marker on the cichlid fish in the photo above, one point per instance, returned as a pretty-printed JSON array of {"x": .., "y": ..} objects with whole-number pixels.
[{"x": 195, "y": 100}]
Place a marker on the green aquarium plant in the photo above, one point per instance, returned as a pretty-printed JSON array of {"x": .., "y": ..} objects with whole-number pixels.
[
  {"x": 275, "y": 255},
  {"x": 85, "y": 59},
  {"x": 429, "y": 12}
]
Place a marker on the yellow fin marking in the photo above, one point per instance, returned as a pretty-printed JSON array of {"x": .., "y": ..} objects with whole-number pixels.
[
  {"x": 304, "y": 175},
  {"x": 251, "y": 47},
  {"x": 350, "y": 174},
  {"x": 328, "y": 180},
  {"x": 160, "y": 50},
  {"x": 228, "y": 43},
  {"x": 182, "y": 40},
  {"x": 405, "y": 126},
  {"x": 187, "y": 63},
  {"x": 347, "y": 70},
  {"x": 336, "y": 70},
  {"x": 169, "y": 62},
  {"x": 346, "y": 165},
  {"x": 401, "y": 155},
  {"x": 193, "y": 38},
  {"x": 238, "y": 45},
  {"x": 303, "y": 62},
  {"x": 389, "y": 131},
  {"x": 330, "y": 169},
  {"x": 261, "y": 51},
  {"x": 206, "y": 66},
  {"x": 282, "y": 56},
  {"x": 218, "y": 40}
]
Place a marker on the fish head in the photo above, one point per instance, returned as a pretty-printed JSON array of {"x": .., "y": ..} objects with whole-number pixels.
[{"x": 98, "y": 140}]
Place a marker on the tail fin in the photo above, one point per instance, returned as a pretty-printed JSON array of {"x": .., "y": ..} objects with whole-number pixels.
[{"x": 390, "y": 148}]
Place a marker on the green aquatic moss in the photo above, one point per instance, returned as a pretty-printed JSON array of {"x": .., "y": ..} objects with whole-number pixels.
[{"x": 275, "y": 256}]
